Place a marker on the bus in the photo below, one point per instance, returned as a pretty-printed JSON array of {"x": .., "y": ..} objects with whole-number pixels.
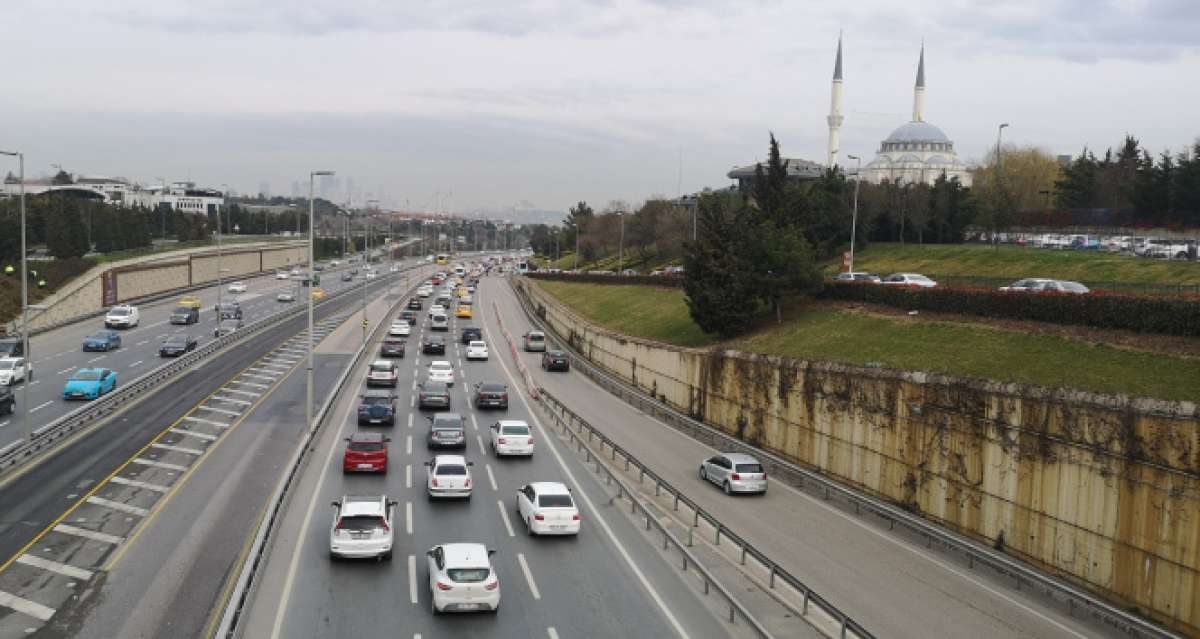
[{"x": 443, "y": 259}]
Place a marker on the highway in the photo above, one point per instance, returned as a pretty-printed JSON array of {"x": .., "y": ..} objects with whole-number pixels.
[{"x": 58, "y": 352}]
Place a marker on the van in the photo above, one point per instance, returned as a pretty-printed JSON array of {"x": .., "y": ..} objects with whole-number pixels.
[{"x": 12, "y": 347}]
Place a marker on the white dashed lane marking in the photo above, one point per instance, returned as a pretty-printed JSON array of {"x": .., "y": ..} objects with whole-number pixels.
[
  {"x": 68, "y": 529},
  {"x": 140, "y": 484},
  {"x": 118, "y": 506},
  {"x": 54, "y": 566}
]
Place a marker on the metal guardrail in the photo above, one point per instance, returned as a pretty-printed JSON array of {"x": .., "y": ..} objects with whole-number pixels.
[
  {"x": 1024, "y": 575},
  {"x": 243, "y": 587},
  {"x": 50, "y": 434}
]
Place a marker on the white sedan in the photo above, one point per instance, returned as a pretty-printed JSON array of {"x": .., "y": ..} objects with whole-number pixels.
[
  {"x": 461, "y": 578},
  {"x": 399, "y": 328},
  {"x": 477, "y": 350},
  {"x": 12, "y": 370},
  {"x": 237, "y": 287},
  {"x": 511, "y": 437},
  {"x": 285, "y": 296},
  {"x": 448, "y": 476},
  {"x": 440, "y": 371},
  {"x": 547, "y": 508},
  {"x": 281, "y": 275}
]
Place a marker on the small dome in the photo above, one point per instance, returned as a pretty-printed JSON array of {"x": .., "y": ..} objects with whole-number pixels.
[{"x": 917, "y": 132}]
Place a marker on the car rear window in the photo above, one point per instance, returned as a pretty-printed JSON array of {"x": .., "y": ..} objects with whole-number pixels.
[
  {"x": 435, "y": 387},
  {"x": 451, "y": 469},
  {"x": 555, "y": 501},
  {"x": 536, "y": 338},
  {"x": 86, "y": 376},
  {"x": 381, "y": 367},
  {"x": 749, "y": 468},
  {"x": 119, "y": 311},
  {"x": 176, "y": 341},
  {"x": 514, "y": 430},
  {"x": 468, "y": 575},
  {"x": 185, "y": 310},
  {"x": 361, "y": 523},
  {"x": 376, "y": 399},
  {"x": 366, "y": 447}
]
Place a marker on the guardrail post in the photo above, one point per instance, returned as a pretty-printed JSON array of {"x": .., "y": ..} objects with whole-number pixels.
[
  {"x": 695, "y": 518},
  {"x": 676, "y": 507},
  {"x": 843, "y": 628},
  {"x": 771, "y": 580},
  {"x": 706, "y": 586},
  {"x": 657, "y": 488},
  {"x": 743, "y": 554},
  {"x": 690, "y": 531},
  {"x": 803, "y": 608},
  {"x": 717, "y": 537}
]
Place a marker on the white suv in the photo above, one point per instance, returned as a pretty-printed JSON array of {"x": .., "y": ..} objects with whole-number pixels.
[
  {"x": 122, "y": 316},
  {"x": 547, "y": 508},
  {"x": 448, "y": 476},
  {"x": 461, "y": 578},
  {"x": 399, "y": 328},
  {"x": 382, "y": 373},
  {"x": 362, "y": 527}
]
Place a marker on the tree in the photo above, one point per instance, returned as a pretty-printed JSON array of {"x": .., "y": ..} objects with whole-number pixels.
[
  {"x": 1076, "y": 189},
  {"x": 61, "y": 178},
  {"x": 718, "y": 282},
  {"x": 577, "y": 221},
  {"x": 1022, "y": 180},
  {"x": 66, "y": 236}
]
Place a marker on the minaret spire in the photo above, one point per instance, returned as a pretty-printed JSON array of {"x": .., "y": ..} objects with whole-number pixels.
[
  {"x": 919, "y": 89},
  {"x": 835, "y": 118}
]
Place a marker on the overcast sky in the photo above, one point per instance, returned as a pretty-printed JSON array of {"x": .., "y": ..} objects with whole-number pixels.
[{"x": 544, "y": 102}]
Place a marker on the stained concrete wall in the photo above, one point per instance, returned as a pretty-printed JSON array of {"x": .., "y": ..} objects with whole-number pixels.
[
  {"x": 141, "y": 281},
  {"x": 1103, "y": 490}
]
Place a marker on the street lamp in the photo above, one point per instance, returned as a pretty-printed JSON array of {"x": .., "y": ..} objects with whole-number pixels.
[
  {"x": 162, "y": 209},
  {"x": 854, "y": 216},
  {"x": 24, "y": 289},
  {"x": 999, "y": 181},
  {"x": 308, "y": 401},
  {"x": 220, "y": 278},
  {"x": 621, "y": 246}
]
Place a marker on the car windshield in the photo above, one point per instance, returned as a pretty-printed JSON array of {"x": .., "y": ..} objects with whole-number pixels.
[
  {"x": 183, "y": 310},
  {"x": 176, "y": 340},
  {"x": 366, "y": 447},
  {"x": 555, "y": 501},
  {"x": 7, "y": 365},
  {"x": 361, "y": 523},
  {"x": 451, "y": 469},
  {"x": 468, "y": 575},
  {"x": 448, "y": 420},
  {"x": 98, "y": 336},
  {"x": 514, "y": 430},
  {"x": 749, "y": 468},
  {"x": 119, "y": 311},
  {"x": 477, "y": 345},
  {"x": 535, "y": 337},
  {"x": 86, "y": 376}
]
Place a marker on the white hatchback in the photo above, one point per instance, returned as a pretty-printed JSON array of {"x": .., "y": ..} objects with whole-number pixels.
[
  {"x": 399, "y": 328},
  {"x": 12, "y": 370},
  {"x": 461, "y": 579},
  {"x": 440, "y": 371},
  {"x": 547, "y": 508},
  {"x": 477, "y": 350},
  {"x": 237, "y": 287},
  {"x": 511, "y": 437},
  {"x": 362, "y": 528},
  {"x": 382, "y": 373},
  {"x": 439, "y": 323},
  {"x": 448, "y": 476}
]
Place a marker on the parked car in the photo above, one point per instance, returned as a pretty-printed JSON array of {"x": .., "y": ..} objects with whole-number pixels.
[
  {"x": 392, "y": 347},
  {"x": 382, "y": 373},
  {"x": 365, "y": 452},
  {"x": 433, "y": 395},
  {"x": 433, "y": 345},
  {"x": 102, "y": 341},
  {"x": 511, "y": 437},
  {"x": 362, "y": 528},
  {"x": 440, "y": 371},
  {"x": 377, "y": 407},
  {"x": 122, "y": 316},
  {"x": 556, "y": 361},
  {"x": 470, "y": 334},
  {"x": 227, "y": 326},
  {"x": 285, "y": 296},
  {"x": 461, "y": 578},
  {"x": 176, "y": 345},
  {"x": 735, "y": 473},
  {"x": 237, "y": 287},
  {"x": 858, "y": 277},
  {"x": 547, "y": 508},
  {"x": 8, "y": 403},
  {"x": 12, "y": 370},
  {"x": 477, "y": 350},
  {"x": 534, "y": 341},
  {"x": 185, "y": 315},
  {"x": 914, "y": 280},
  {"x": 90, "y": 383},
  {"x": 491, "y": 395},
  {"x": 446, "y": 430},
  {"x": 448, "y": 476}
]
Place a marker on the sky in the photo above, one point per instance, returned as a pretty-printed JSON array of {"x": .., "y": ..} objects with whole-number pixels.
[{"x": 492, "y": 104}]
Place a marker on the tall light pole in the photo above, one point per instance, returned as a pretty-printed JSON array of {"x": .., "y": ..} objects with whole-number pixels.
[
  {"x": 162, "y": 209},
  {"x": 24, "y": 292},
  {"x": 220, "y": 278},
  {"x": 308, "y": 395},
  {"x": 854, "y": 216},
  {"x": 578, "y": 232},
  {"x": 621, "y": 246},
  {"x": 366, "y": 270},
  {"x": 999, "y": 182}
]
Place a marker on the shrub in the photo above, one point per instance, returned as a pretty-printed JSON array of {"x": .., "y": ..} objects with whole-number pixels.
[{"x": 671, "y": 281}]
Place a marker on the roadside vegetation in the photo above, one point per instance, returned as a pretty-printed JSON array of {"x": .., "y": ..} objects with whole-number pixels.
[{"x": 837, "y": 333}]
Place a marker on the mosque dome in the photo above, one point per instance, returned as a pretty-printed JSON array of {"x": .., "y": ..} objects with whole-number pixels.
[{"x": 918, "y": 132}]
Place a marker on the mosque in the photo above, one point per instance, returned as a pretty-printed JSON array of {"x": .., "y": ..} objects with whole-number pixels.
[{"x": 915, "y": 152}]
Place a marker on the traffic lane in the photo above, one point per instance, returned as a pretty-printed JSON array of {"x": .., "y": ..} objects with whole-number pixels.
[
  {"x": 889, "y": 583},
  {"x": 170, "y": 577}
]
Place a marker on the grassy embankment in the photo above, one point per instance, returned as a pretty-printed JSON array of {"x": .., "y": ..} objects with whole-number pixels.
[
  {"x": 651, "y": 262},
  {"x": 824, "y": 332}
]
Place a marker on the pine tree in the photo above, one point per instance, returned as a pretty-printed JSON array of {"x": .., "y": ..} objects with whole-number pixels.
[
  {"x": 1077, "y": 188},
  {"x": 718, "y": 282}
]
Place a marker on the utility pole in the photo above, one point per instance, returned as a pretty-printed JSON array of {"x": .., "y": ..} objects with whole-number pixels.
[
  {"x": 999, "y": 187},
  {"x": 308, "y": 396},
  {"x": 854, "y": 216}
]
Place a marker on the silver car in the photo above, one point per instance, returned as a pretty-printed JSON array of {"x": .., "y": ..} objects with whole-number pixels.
[{"x": 735, "y": 473}]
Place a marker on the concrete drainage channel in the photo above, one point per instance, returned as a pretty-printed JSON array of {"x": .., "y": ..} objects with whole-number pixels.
[{"x": 1074, "y": 599}]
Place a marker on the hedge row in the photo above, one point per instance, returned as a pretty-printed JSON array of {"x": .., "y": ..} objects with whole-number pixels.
[
  {"x": 671, "y": 281},
  {"x": 1143, "y": 314}
]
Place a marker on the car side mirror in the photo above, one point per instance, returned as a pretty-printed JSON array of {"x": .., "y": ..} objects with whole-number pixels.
[
  {"x": 392, "y": 502},
  {"x": 387, "y": 439},
  {"x": 429, "y": 464},
  {"x": 429, "y": 553},
  {"x": 336, "y": 504},
  {"x": 470, "y": 463},
  {"x": 347, "y": 439},
  {"x": 491, "y": 552}
]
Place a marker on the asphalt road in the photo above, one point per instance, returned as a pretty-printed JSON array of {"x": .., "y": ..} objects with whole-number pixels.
[
  {"x": 607, "y": 582},
  {"x": 58, "y": 352},
  {"x": 891, "y": 584}
]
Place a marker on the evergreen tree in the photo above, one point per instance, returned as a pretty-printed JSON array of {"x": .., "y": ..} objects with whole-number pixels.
[
  {"x": 718, "y": 280},
  {"x": 1077, "y": 188},
  {"x": 66, "y": 235}
]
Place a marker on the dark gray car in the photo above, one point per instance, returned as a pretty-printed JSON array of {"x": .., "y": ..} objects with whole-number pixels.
[
  {"x": 447, "y": 430},
  {"x": 434, "y": 395}
]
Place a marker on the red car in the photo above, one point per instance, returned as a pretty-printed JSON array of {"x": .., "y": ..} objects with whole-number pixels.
[{"x": 366, "y": 452}]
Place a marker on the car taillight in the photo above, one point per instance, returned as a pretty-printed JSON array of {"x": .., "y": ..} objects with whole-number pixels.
[
  {"x": 504, "y": 397},
  {"x": 539, "y": 517},
  {"x": 435, "y": 482},
  {"x": 468, "y": 484},
  {"x": 576, "y": 517},
  {"x": 736, "y": 477},
  {"x": 424, "y": 396},
  {"x": 764, "y": 476},
  {"x": 492, "y": 585},
  {"x": 444, "y": 586},
  {"x": 502, "y": 441}
]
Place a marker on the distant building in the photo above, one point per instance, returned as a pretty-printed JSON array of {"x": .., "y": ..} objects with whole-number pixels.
[
  {"x": 180, "y": 196},
  {"x": 797, "y": 170}
]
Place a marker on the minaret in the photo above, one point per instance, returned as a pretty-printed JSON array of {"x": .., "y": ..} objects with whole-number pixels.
[
  {"x": 835, "y": 109},
  {"x": 919, "y": 90}
]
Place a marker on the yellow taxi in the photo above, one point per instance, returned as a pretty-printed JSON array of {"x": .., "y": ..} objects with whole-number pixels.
[
  {"x": 461, "y": 292},
  {"x": 190, "y": 301},
  {"x": 463, "y": 311},
  {"x": 318, "y": 294}
]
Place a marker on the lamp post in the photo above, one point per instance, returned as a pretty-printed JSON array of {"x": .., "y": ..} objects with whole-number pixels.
[
  {"x": 621, "y": 246},
  {"x": 308, "y": 395},
  {"x": 24, "y": 291},
  {"x": 854, "y": 216},
  {"x": 578, "y": 231},
  {"x": 999, "y": 181},
  {"x": 162, "y": 209}
]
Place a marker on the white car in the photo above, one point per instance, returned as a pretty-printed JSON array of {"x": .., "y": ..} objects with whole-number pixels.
[
  {"x": 425, "y": 291},
  {"x": 122, "y": 316},
  {"x": 295, "y": 272},
  {"x": 448, "y": 476},
  {"x": 383, "y": 373},
  {"x": 12, "y": 370},
  {"x": 399, "y": 328},
  {"x": 362, "y": 527},
  {"x": 285, "y": 296},
  {"x": 335, "y": 263},
  {"x": 547, "y": 508},
  {"x": 437, "y": 309},
  {"x": 461, "y": 579},
  {"x": 511, "y": 437},
  {"x": 439, "y": 322},
  {"x": 477, "y": 350},
  {"x": 440, "y": 371},
  {"x": 914, "y": 280},
  {"x": 281, "y": 275},
  {"x": 237, "y": 287}
]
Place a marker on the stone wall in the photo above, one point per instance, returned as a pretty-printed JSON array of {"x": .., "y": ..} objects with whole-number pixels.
[
  {"x": 141, "y": 281},
  {"x": 1099, "y": 489}
]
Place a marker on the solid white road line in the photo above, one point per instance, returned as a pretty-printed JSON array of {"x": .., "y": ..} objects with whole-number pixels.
[
  {"x": 26, "y": 607},
  {"x": 39, "y": 407},
  {"x": 408, "y": 520},
  {"x": 528, "y": 576},
  {"x": 116, "y": 505},
  {"x": 178, "y": 449},
  {"x": 504, "y": 516},
  {"x": 552, "y": 633},
  {"x": 412, "y": 579},
  {"x": 140, "y": 484},
  {"x": 68, "y": 529},
  {"x": 191, "y": 433},
  {"x": 137, "y": 363},
  {"x": 206, "y": 421},
  {"x": 491, "y": 477},
  {"x": 54, "y": 566},
  {"x": 223, "y": 411},
  {"x": 158, "y": 464},
  {"x": 408, "y": 445}
]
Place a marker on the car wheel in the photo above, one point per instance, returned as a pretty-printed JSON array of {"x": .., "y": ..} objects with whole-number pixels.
[
  {"x": 703, "y": 474},
  {"x": 728, "y": 490},
  {"x": 529, "y": 527}
]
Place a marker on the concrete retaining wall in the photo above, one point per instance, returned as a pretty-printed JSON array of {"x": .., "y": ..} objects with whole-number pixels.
[{"x": 1099, "y": 489}]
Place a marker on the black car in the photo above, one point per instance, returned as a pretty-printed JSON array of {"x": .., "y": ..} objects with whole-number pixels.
[
  {"x": 471, "y": 334},
  {"x": 409, "y": 317},
  {"x": 392, "y": 347},
  {"x": 434, "y": 395},
  {"x": 177, "y": 345},
  {"x": 229, "y": 310},
  {"x": 414, "y": 304},
  {"x": 185, "y": 315},
  {"x": 447, "y": 430},
  {"x": 377, "y": 407},
  {"x": 433, "y": 345},
  {"x": 7, "y": 401},
  {"x": 491, "y": 395},
  {"x": 555, "y": 361}
]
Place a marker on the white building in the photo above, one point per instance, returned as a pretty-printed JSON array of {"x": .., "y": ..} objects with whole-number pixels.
[{"x": 180, "y": 196}]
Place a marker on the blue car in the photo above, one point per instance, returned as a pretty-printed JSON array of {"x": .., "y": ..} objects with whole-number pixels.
[
  {"x": 102, "y": 341},
  {"x": 90, "y": 383}
]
